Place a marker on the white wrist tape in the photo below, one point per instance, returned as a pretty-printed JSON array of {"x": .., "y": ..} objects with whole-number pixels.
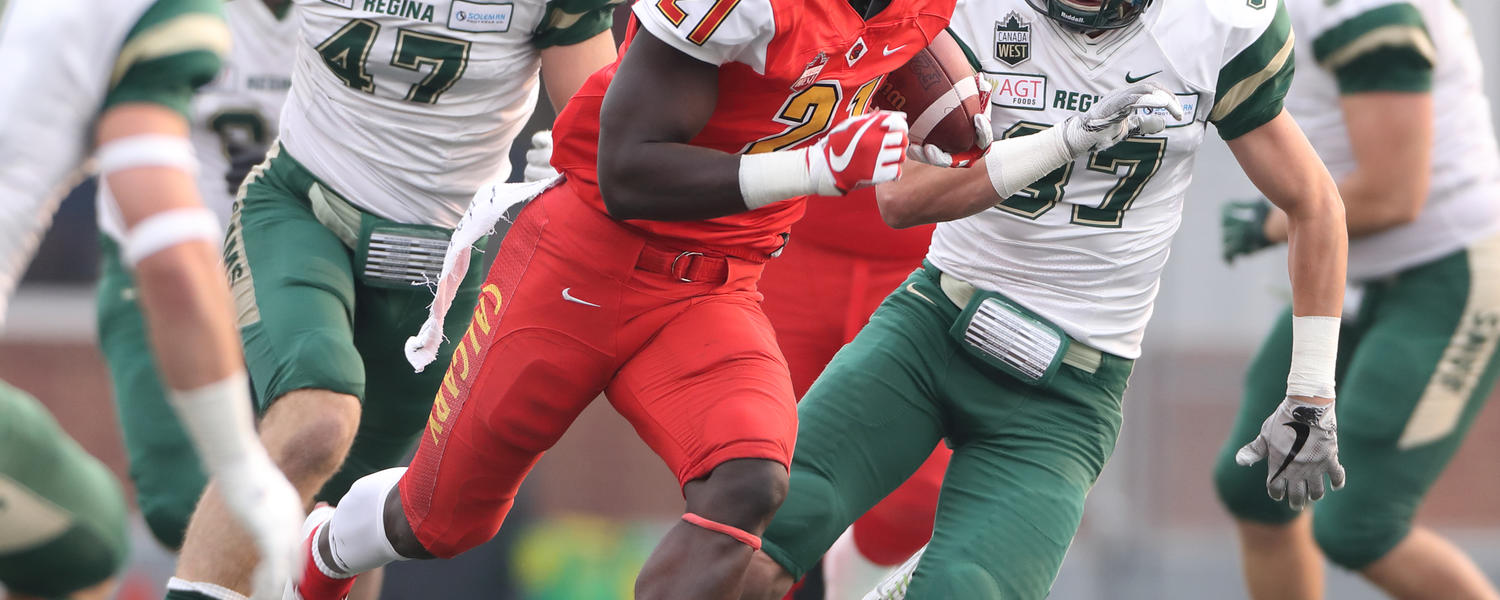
[
  {"x": 771, "y": 177},
  {"x": 170, "y": 228},
  {"x": 218, "y": 418},
  {"x": 1315, "y": 349},
  {"x": 147, "y": 150},
  {"x": 1017, "y": 162}
]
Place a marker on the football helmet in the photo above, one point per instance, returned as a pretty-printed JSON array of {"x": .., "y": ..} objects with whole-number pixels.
[{"x": 1091, "y": 14}]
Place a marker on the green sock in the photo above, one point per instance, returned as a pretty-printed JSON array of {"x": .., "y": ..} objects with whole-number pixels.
[{"x": 185, "y": 595}]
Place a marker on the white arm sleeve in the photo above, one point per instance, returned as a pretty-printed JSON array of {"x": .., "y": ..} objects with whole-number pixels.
[{"x": 713, "y": 31}]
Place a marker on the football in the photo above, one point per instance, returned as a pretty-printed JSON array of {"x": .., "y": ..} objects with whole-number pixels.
[{"x": 938, "y": 92}]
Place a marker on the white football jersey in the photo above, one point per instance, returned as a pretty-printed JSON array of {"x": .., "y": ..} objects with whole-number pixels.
[
  {"x": 406, "y": 107},
  {"x": 240, "y": 108},
  {"x": 1463, "y": 203},
  {"x": 1085, "y": 245},
  {"x": 62, "y": 62}
]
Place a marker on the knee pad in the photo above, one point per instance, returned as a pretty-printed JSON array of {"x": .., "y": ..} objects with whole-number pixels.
[
  {"x": 740, "y": 535},
  {"x": 959, "y": 579},
  {"x": 167, "y": 519},
  {"x": 1353, "y": 537}
]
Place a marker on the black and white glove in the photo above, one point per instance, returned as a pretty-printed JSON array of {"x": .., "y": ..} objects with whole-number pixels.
[
  {"x": 539, "y": 157},
  {"x": 1138, "y": 109},
  {"x": 1300, "y": 441}
]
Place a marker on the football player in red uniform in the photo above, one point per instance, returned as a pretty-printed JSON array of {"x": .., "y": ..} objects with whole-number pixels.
[{"x": 636, "y": 277}]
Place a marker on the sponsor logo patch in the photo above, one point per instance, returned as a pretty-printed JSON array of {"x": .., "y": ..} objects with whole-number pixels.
[
  {"x": 810, "y": 72},
  {"x": 856, "y": 52},
  {"x": 1189, "y": 102},
  {"x": 1012, "y": 39},
  {"x": 479, "y": 17},
  {"x": 1018, "y": 90}
]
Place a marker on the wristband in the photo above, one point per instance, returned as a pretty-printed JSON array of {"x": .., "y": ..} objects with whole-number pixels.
[
  {"x": 1315, "y": 344},
  {"x": 771, "y": 177},
  {"x": 1017, "y": 162}
]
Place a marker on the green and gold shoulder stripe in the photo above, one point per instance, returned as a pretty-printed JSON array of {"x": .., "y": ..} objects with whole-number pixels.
[
  {"x": 568, "y": 22},
  {"x": 1382, "y": 49},
  {"x": 1253, "y": 83},
  {"x": 173, "y": 49}
]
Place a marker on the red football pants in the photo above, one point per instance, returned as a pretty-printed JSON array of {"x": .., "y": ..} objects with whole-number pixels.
[
  {"x": 818, "y": 299},
  {"x": 564, "y": 315}
]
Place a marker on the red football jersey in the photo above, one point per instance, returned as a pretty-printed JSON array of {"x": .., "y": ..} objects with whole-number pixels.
[{"x": 789, "y": 70}]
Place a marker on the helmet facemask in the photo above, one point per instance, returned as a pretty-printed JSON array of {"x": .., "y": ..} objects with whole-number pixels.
[{"x": 1088, "y": 15}]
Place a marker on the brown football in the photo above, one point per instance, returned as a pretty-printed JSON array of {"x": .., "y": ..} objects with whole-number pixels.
[{"x": 937, "y": 91}]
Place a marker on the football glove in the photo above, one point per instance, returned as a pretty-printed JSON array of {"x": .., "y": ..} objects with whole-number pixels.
[
  {"x": 1243, "y": 224},
  {"x": 861, "y": 151},
  {"x": 1132, "y": 110},
  {"x": 1300, "y": 441},
  {"x": 539, "y": 157},
  {"x": 984, "y": 135}
]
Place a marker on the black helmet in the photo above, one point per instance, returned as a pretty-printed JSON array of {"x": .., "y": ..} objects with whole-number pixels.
[{"x": 1091, "y": 14}]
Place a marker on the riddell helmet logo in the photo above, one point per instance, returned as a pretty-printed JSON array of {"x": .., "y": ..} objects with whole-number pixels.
[{"x": 810, "y": 72}]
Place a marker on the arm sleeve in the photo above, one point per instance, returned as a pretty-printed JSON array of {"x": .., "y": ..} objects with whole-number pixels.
[
  {"x": 175, "y": 48},
  {"x": 568, "y": 22},
  {"x": 1254, "y": 81},
  {"x": 713, "y": 31},
  {"x": 1382, "y": 49}
]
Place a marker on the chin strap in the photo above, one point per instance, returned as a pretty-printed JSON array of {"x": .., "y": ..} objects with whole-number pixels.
[{"x": 740, "y": 535}]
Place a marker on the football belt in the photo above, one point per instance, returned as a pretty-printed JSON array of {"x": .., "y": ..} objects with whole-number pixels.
[{"x": 1011, "y": 338}]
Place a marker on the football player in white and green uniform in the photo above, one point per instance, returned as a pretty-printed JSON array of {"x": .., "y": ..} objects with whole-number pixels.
[
  {"x": 1014, "y": 342},
  {"x": 399, "y": 111},
  {"x": 1390, "y": 92},
  {"x": 117, "y": 84},
  {"x": 233, "y": 122}
]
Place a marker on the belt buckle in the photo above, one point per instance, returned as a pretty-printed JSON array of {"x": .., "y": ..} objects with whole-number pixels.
[{"x": 673, "y": 269}]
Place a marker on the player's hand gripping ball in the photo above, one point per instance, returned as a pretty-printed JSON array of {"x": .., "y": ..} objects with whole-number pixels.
[
  {"x": 861, "y": 151},
  {"x": 948, "y": 100}
]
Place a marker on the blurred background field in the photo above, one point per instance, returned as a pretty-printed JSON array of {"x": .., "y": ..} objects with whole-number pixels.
[{"x": 597, "y": 503}]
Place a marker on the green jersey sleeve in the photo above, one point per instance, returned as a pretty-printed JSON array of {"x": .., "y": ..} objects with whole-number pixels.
[
  {"x": 1254, "y": 81},
  {"x": 568, "y": 22},
  {"x": 175, "y": 48},
  {"x": 1382, "y": 49}
]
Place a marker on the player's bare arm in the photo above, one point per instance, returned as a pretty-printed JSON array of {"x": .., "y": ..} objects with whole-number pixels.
[
  {"x": 1299, "y": 439},
  {"x": 171, "y": 241},
  {"x": 928, "y": 194},
  {"x": 647, "y": 170},
  {"x": 565, "y": 68},
  {"x": 1389, "y": 185}
]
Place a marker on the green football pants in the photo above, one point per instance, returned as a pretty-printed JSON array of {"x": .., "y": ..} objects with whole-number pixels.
[
  {"x": 1416, "y": 366},
  {"x": 1024, "y": 456},
  {"x": 62, "y": 515}
]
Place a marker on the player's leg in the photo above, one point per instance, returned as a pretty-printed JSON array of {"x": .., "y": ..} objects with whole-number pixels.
[
  {"x": 807, "y": 295},
  {"x": 1277, "y": 552},
  {"x": 164, "y": 465},
  {"x": 863, "y": 428},
  {"x": 901, "y": 524},
  {"x": 1421, "y": 374},
  {"x": 62, "y": 515},
  {"x": 1024, "y": 460},
  {"x": 293, "y": 284},
  {"x": 527, "y": 365}
]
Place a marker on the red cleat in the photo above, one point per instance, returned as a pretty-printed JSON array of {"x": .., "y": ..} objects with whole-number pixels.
[{"x": 317, "y": 584}]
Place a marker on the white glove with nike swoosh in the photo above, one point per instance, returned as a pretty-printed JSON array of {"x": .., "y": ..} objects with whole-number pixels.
[
  {"x": 1300, "y": 441},
  {"x": 861, "y": 151},
  {"x": 1132, "y": 110}
]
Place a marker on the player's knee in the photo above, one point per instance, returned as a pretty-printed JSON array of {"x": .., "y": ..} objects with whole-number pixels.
[
  {"x": 1352, "y": 538},
  {"x": 167, "y": 518},
  {"x": 309, "y": 437},
  {"x": 742, "y": 493},
  {"x": 958, "y": 579}
]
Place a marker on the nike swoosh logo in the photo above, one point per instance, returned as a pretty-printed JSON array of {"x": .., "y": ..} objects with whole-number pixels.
[
  {"x": 840, "y": 160},
  {"x": 1129, "y": 79},
  {"x": 570, "y": 298},
  {"x": 911, "y": 287},
  {"x": 1302, "y": 431},
  {"x": 887, "y": 51}
]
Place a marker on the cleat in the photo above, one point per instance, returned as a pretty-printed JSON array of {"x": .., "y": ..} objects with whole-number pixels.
[{"x": 316, "y": 584}]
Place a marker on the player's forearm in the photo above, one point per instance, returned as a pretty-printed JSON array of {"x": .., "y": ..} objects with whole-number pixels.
[
  {"x": 188, "y": 312},
  {"x": 927, "y": 194},
  {"x": 1318, "y": 252},
  {"x": 665, "y": 181}
]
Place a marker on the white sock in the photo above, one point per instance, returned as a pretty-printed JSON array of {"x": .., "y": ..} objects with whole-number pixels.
[
  {"x": 217, "y": 592},
  {"x": 356, "y": 533}
]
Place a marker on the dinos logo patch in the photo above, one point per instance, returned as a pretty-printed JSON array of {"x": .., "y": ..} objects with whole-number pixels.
[{"x": 1012, "y": 39}]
